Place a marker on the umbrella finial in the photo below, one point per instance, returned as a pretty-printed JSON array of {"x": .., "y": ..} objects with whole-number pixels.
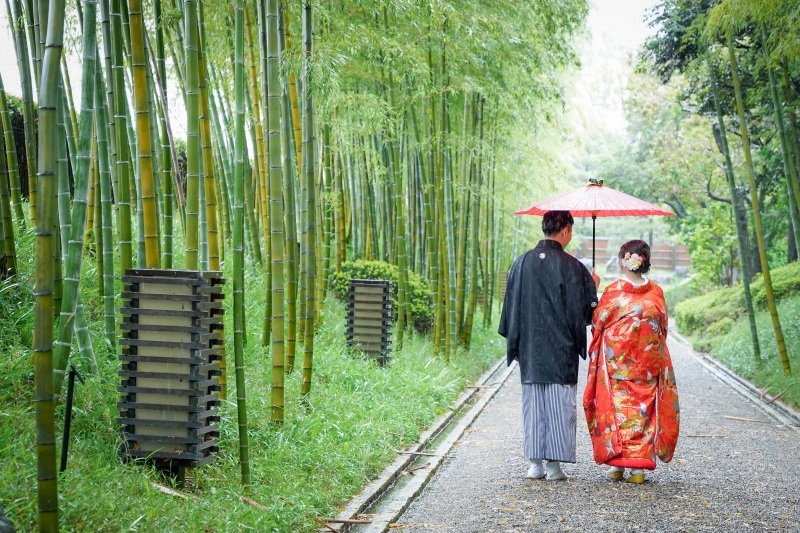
[{"x": 595, "y": 181}]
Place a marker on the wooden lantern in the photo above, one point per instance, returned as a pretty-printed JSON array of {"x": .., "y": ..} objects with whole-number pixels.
[
  {"x": 171, "y": 337},
  {"x": 369, "y": 319}
]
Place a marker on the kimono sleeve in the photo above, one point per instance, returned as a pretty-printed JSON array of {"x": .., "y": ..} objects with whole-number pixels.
[{"x": 509, "y": 318}]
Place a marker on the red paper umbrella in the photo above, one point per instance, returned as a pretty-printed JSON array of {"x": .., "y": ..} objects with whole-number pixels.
[{"x": 596, "y": 200}]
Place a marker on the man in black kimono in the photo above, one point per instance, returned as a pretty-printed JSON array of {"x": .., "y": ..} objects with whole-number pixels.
[{"x": 550, "y": 297}]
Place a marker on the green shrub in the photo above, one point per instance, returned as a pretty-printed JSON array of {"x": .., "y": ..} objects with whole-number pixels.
[
  {"x": 715, "y": 313},
  {"x": 420, "y": 302},
  {"x": 696, "y": 315},
  {"x": 675, "y": 294},
  {"x": 720, "y": 327},
  {"x": 785, "y": 282}
]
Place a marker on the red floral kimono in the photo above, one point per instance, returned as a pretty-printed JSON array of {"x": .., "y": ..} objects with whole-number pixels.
[{"x": 631, "y": 400}]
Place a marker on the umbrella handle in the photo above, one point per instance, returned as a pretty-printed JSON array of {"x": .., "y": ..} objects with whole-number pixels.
[{"x": 594, "y": 217}]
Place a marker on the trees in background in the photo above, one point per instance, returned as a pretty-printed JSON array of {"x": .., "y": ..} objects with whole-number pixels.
[{"x": 713, "y": 118}]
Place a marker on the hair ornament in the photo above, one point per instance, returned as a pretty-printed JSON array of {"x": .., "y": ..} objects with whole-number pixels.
[{"x": 632, "y": 262}]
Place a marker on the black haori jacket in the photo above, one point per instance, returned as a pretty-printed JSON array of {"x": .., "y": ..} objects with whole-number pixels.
[{"x": 550, "y": 297}]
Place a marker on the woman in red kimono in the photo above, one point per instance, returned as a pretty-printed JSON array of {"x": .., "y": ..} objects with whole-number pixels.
[{"x": 631, "y": 400}]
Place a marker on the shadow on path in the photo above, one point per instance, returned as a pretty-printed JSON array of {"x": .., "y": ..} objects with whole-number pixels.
[{"x": 727, "y": 474}]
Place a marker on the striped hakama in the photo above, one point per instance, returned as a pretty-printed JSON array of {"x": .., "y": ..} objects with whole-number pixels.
[{"x": 549, "y": 421}]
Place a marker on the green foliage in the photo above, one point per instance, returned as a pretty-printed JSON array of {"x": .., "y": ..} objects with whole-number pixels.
[
  {"x": 675, "y": 158},
  {"x": 420, "y": 303},
  {"x": 735, "y": 350},
  {"x": 16, "y": 335},
  {"x": 711, "y": 237},
  {"x": 695, "y": 315},
  {"x": 715, "y": 312},
  {"x": 720, "y": 327},
  {"x": 785, "y": 282},
  {"x": 675, "y": 294}
]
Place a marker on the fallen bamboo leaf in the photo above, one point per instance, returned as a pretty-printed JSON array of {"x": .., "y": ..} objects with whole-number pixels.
[
  {"x": 169, "y": 491},
  {"x": 775, "y": 397},
  {"x": 707, "y": 436},
  {"x": 401, "y": 525},
  {"x": 781, "y": 393},
  {"x": 254, "y": 503},
  {"x": 423, "y": 453},
  {"x": 323, "y": 524},
  {"x": 346, "y": 521},
  {"x": 412, "y": 470},
  {"x": 746, "y": 419},
  {"x": 760, "y": 396}
]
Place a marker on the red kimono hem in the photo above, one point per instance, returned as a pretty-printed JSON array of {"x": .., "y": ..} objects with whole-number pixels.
[{"x": 645, "y": 464}]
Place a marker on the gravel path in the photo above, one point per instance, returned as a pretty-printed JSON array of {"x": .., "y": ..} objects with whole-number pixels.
[{"x": 727, "y": 474}]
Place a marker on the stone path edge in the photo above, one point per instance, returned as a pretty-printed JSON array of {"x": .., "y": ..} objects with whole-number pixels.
[
  {"x": 376, "y": 488},
  {"x": 772, "y": 407}
]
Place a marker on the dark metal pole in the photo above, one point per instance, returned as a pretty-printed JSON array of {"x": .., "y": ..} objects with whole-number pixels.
[
  {"x": 594, "y": 217},
  {"x": 68, "y": 414}
]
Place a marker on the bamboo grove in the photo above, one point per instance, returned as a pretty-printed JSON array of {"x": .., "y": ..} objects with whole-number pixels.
[{"x": 316, "y": 133}]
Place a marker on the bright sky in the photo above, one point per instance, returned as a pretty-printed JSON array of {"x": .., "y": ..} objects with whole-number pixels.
[
  {"x": 8, "y": 57},
  {"x": 617, "y": 30}
]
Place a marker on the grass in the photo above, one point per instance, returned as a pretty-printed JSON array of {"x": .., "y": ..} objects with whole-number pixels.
[
  {"x": 717, "y": 323},
  {"x": 359, "y": 414},
  {"x": 735, "y": 350}
]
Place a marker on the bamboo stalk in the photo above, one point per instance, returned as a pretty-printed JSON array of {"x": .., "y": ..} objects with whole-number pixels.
[
  {"x": 773, "y": 310},
  {"x": 238, "y": 252},
  {"x": 8, "y": 248},
  {"x": 122, "y": 192},
  {"x": 466, "y": 332},
  {"x": 26, "y": 85},
  {"x": 109, "y": 309},
  {"x": 44, "y": 400},
  {"x": 792, "y": 184},
  {"x": 740, "y": 221},
  {"x": 308, "y": 163},
  {"x": 289, "y": 222},
  {"x": 276, "y": 209},
  {"x": 74, "y": 252},
  {"x": 192, "y": 135}
]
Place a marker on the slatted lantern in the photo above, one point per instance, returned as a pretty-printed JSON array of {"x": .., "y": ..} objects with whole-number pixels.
[
  {"x": 369, "y": 318},
  {"x": 171, "y": 336}
]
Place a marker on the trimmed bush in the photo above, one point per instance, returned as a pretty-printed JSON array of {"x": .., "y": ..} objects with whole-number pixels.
[
  {"x": 420, "y": 306},
  {"x": 785, "y": 282},
  {"x": 675, "y": 294},
  {"x": 720, "y": 327},
  {"x": 696, "y": 315},
  {"x": 715, "y": 312}
]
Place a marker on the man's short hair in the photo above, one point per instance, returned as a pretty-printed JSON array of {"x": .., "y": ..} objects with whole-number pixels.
[{"x": 555, "y": 221}]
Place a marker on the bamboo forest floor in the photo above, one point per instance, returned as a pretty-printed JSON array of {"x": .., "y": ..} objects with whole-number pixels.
[{"x": 735, "y": 469}]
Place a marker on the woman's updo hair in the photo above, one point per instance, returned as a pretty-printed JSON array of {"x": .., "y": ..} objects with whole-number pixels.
[{"x": 640, "y": 248}]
